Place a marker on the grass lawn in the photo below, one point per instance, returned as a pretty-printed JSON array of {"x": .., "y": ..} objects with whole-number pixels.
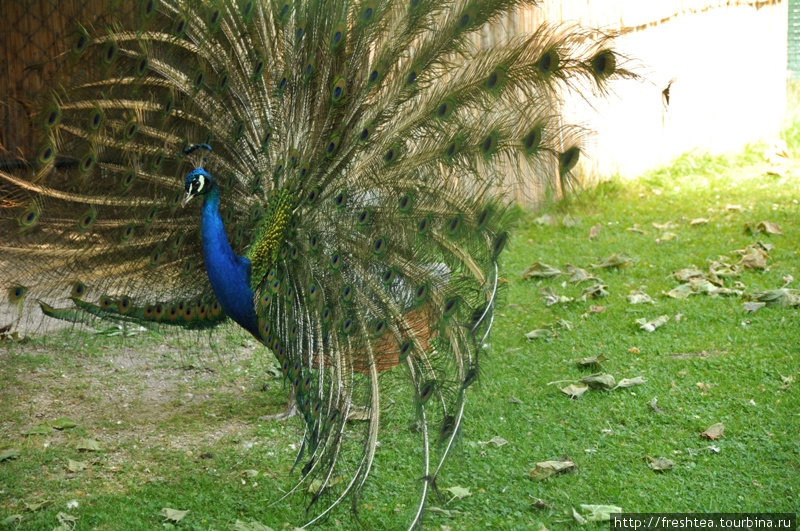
[{"x": 177, "y": 421}]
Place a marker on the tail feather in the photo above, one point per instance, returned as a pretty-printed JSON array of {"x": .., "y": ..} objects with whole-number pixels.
[{"x": 362, "y": 151}]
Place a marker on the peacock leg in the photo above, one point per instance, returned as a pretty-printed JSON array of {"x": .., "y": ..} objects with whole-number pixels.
[{"x": 289, "y": 412}]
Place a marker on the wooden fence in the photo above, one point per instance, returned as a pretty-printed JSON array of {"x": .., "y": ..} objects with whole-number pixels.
[{"x": 35, "y": 39}]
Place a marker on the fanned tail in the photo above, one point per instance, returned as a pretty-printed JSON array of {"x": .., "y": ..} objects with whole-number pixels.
[{"x": 363, "y": 151}]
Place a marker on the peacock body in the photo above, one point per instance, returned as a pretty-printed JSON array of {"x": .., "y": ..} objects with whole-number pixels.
[{"x": 350, "y": 159}]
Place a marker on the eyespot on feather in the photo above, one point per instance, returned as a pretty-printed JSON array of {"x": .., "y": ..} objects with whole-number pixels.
[
  {"x": 130, "y": 129},
  {"x": 338, "y": 36},
  {"x": 78, "y": 289},
  {"x": 258, "y": 67},
  {"x": 110, "y": 52},
  {"x": 87, "y": 219},
  {"x": 96, "y": 118},
  {"x": 568, "y": 159},
  {"x": 179, "y": 27},
  {"x": 604, "y": 64},
  {"x": 124, "y": 304},
  {"x": 47, "y": 153},
  {"x": 51, "y": 116},
  {"x": 333, "y": 144},
  {"x": 81, "y": 41},
  {"x": 490, "y": 144},
  {"x": 126, "y": 233},
  {"x": 406, "y": 203},
  {"x": 17, "y": 293},
  {"x": 140, "y": 66},
  {"x": 532, "y": 140},
  {"x": 338, "y": 90},
  {"x": 29, "y": 217},
  {"x": 549, "y": 61}
]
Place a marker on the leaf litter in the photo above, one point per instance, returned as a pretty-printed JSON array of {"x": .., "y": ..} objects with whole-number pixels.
[
  {"x": 544, "y": 469},
  {"x": 714, "y": 432}
]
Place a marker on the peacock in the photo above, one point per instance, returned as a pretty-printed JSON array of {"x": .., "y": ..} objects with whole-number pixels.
[{"x": 331, "y": 175}]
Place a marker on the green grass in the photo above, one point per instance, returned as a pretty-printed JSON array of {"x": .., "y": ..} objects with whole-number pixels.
[{"x": 178, "y": 422}]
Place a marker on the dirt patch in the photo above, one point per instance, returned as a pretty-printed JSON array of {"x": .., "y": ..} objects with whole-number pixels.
[{"x": 126, "y": 397}]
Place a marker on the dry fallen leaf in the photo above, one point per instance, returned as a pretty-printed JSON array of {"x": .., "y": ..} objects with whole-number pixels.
[
  {"x": 67, "y": 522},
  {"x": 599, "y": 513},
  {"x": 539, "y": 503},
  {"x": 574, "y": 391},
  {"x": 616, "y": 260},
  {"x": 540, "y": 333},
  {"x": 496, "y": 440},
  {"x": 718, "y": 268},
  {"x": 12, "y": 521},
  {"x": 595, "y": 291},
  {"x": 63, "y": 423},
  {"x": 684, "y": 291},
  {"x": 578, "y": 518},
  {"x": 551, "y": 297},
  {"x": 600, "y": 380},
  {"x": 545, "y": 469},
  {"x": 660, "y": 464},
  {"x": 664, "y": 226},
  {"x": 576, "y": 274},
  {"x": 754, "y": 259},
  {"x": 447, "y": 513},
  {"x": 36, "y": 505},
  {"x": 654, "y": 405},
  {"x": 753, "y": 307},
  {"x": 8, "y": 454},
  {"x": 76, "y": 466},
  {"x": 595, "y": 231},
  {"x": 173, "y": 515},
  {"x": 458, "y": 493},
  {"x": 639, "y": 297},
  {"x": 630, "y": 382},
  {"x": 651, "y": 326},
  {"x": 684, "y": 275},
  {"x": 88, "y": 445},
  {"x": 699, "y": 221},
  {"x": 252, "y": 525},
  {"x": 591, "y": 360},
  {"x": 636, "y": 229},
  {"x": 785, "y": 297},
  {"x": 666, "y": 237},
  {"x": 540, "y": 270},
  {"x": 714, "y": 432},
  {"x": 767, "y": 227}
]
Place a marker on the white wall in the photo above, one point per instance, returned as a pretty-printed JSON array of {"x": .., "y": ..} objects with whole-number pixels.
[{"x": 728, "y": 66}]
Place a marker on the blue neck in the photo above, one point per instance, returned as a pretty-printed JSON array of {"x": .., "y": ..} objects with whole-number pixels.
[{"x": 229, "y": 274}]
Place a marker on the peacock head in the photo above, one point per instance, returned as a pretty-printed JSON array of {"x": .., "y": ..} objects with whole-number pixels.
[{"x": 197, "y": 182}]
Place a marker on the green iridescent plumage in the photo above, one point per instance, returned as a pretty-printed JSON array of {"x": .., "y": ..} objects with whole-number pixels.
[{"x": 362, "y": 151}]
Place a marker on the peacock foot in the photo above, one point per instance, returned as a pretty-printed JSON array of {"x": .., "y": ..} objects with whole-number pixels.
[{"x": 289, "y": 412}]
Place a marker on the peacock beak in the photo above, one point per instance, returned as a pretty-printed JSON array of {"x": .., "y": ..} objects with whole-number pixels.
[{"x": 188, "y": 197}]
